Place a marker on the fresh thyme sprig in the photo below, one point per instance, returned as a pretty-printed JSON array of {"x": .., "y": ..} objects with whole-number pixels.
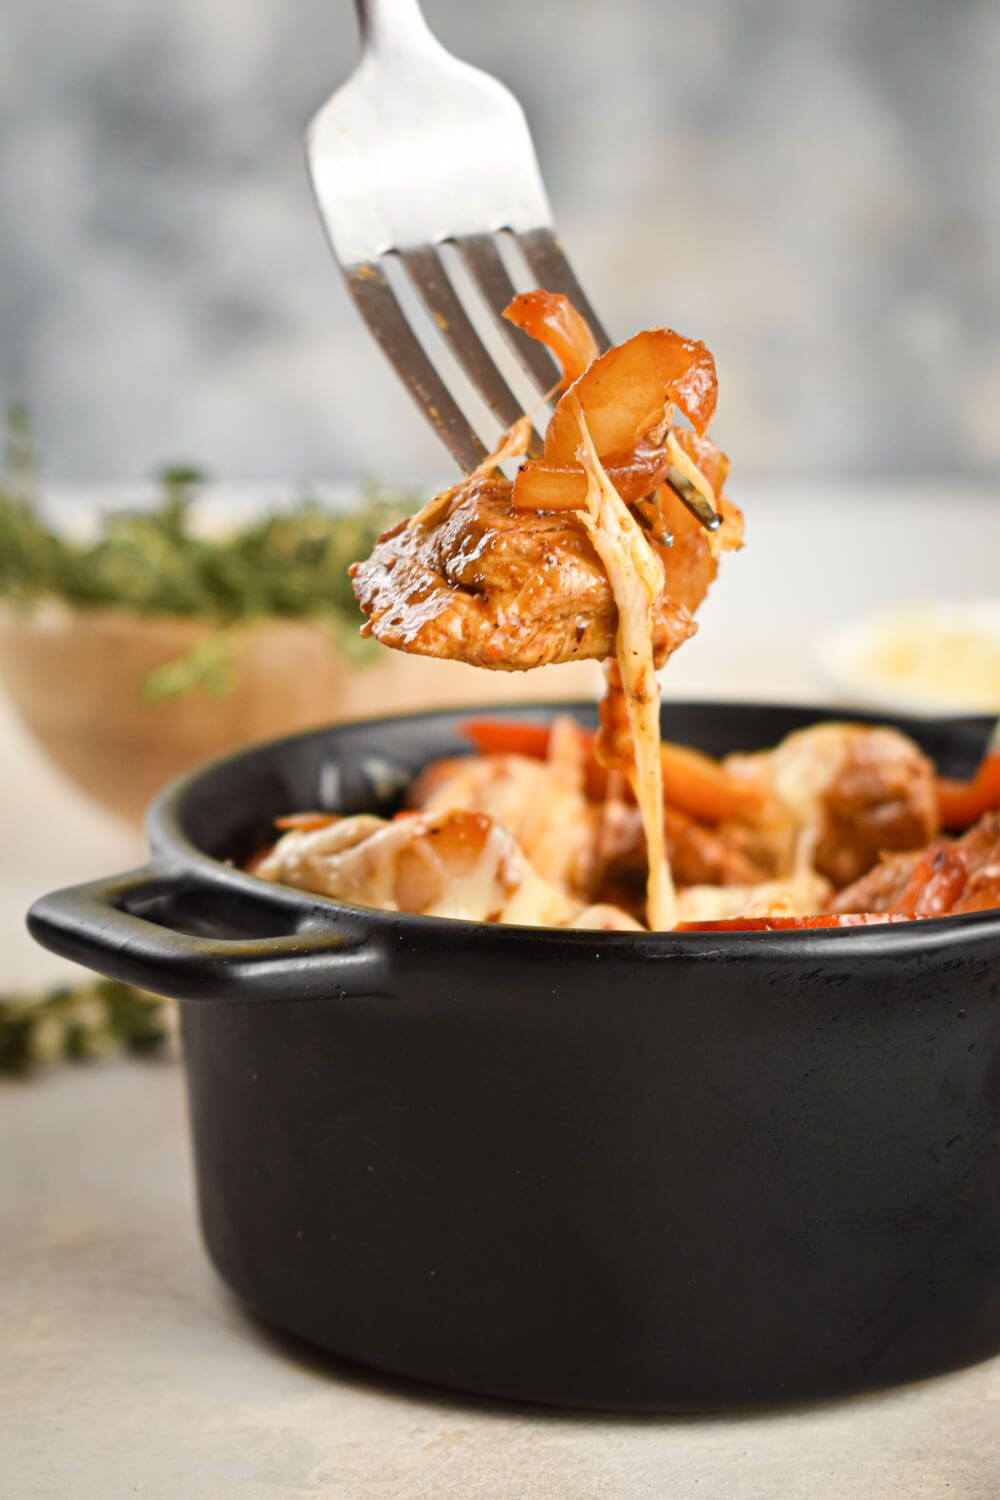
[
  {"x": 291, "y": 564},
  {"x": 76, "y": 1023}
]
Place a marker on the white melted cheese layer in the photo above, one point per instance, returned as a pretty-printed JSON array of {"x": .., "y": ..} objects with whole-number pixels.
[{"x": 412, "y": 865}]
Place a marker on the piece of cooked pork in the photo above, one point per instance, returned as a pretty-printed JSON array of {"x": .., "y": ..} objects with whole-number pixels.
[
  {"x": 854, "y": 791},
  {"x": 480, "y": 582},
  {"x": 948, "y": 877}
]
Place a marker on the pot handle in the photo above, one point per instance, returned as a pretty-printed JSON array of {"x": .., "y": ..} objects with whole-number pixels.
[{"x": 162, "y": 929}]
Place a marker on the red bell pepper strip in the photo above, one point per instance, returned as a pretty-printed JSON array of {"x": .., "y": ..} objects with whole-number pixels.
[
  {"x": 793, "y": 924},
  {"x": 692, "y": 781},
  {"x": 962, "y": 803}
]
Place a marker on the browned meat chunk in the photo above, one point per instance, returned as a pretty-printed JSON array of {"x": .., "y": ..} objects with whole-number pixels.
[
  {"x": 881, "y": 800},
  {"x": 698, "y": 856},
  {"x": 482, "y": 583},
  {"x": 882, "y": 888},
  {"x": 958, "y": 876}
]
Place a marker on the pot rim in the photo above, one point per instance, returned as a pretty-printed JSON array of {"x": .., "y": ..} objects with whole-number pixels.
[{"x": 169, "y": 842}]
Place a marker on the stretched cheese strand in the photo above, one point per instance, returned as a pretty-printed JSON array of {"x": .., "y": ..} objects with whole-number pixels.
[
  {"x": 686, "y": 465},
  {"x": 512, "y": 443},
  {"x": 635, "y": 575}
]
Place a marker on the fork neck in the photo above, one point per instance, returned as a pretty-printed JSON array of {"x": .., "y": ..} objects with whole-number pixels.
[{"x": 391, "y": 24}]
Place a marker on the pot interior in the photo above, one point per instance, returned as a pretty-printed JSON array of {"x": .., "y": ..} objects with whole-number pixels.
[{"x": 226, "y": 810}]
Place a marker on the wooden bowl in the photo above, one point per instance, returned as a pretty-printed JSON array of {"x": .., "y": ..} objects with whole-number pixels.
[{"x": 76, "y": 678}]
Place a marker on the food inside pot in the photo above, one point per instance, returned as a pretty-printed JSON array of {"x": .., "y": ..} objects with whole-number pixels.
[
  {"x": 838, "y": 825},
  {"x": 603, "y": 546}
]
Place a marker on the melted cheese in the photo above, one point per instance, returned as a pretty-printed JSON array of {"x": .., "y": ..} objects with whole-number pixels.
[
  {"x": 541, "y": 803},
  {"x": 797, "y": 896},
  {"x": 804, "y": 766},
  {"x": 635, "y": 576},
  {"x": 427, "y": 864}
]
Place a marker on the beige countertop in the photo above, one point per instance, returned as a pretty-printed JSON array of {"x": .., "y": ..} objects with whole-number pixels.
[{"x": 126, "y": 1368}]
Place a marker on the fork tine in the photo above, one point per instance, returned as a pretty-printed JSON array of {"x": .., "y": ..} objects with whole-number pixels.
[
  {"x": 377, "y": 304},
  {"x": 482, "y": 257},
  {"x": 429, "y": 276},
  {"x": 551, "y": 269},
  {"x": 545, "y": 256},
  {"x": 696, "y": 504}
]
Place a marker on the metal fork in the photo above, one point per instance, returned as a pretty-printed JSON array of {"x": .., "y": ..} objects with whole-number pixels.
[{"x": 425, "y": 175}]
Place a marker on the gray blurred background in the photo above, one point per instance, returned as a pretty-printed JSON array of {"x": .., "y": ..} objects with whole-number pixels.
[{"x": 811, "y": 186}]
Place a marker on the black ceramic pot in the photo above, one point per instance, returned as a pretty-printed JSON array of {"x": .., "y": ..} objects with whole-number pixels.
[{"x": 611, "y": 1170}]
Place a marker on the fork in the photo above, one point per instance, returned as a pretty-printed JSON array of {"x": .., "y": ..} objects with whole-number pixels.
[{"x": 429, "y": 189}]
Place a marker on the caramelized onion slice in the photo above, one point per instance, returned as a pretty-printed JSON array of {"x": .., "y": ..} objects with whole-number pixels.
[
  {"x": 624, "y": 395},
  {"x": 544, "y": 486},
  {"x": 552, "y": 319}
]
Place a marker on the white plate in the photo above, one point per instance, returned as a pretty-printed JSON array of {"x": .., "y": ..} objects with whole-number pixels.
[{"x": 934, "y": 658}]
